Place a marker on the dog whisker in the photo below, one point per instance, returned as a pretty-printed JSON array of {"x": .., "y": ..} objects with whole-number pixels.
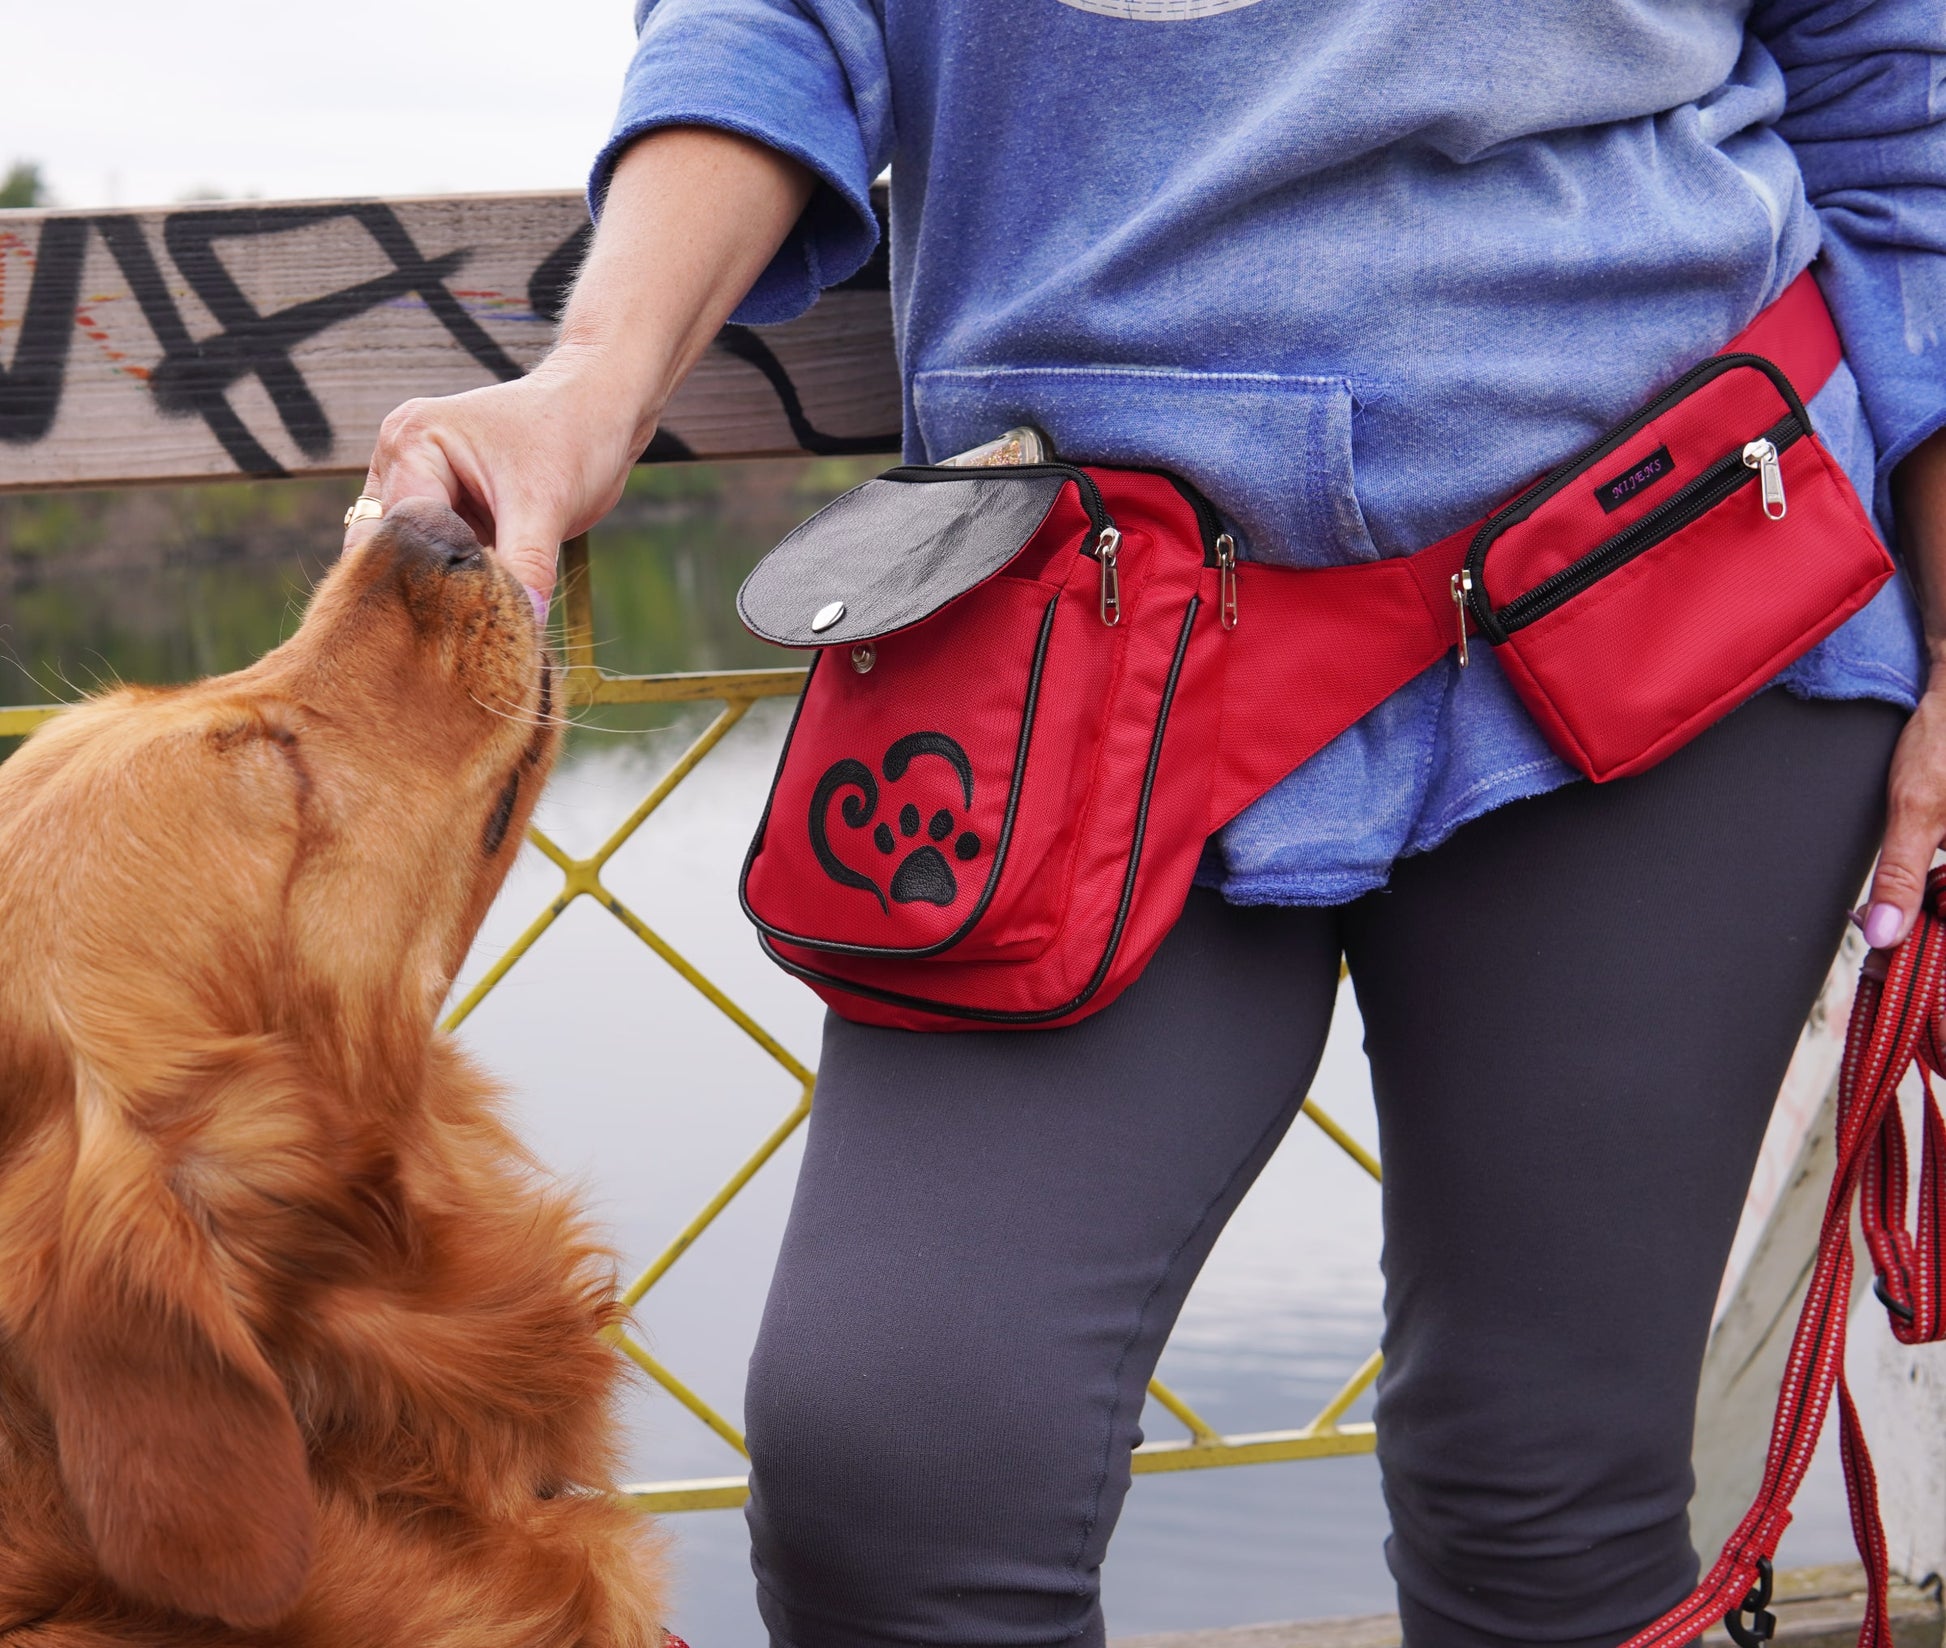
[
  {"x": 527, "y": 718},
  {"x": 38, "y": 685},
  {"x": 114, "y": 679}
]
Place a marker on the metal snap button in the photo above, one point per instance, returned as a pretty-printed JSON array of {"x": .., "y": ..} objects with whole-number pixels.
[
  {"x": 863, "y": 656},
  {"x": 826, "y": 616}
]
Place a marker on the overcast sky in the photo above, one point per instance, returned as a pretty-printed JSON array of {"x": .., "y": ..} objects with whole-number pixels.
[{"x": 127, "y": 102}]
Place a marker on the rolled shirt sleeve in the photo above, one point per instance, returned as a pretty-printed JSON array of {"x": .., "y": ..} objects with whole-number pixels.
[
  {"x": 806, "y": 77},
  {"x": 1866, "y": 116}
]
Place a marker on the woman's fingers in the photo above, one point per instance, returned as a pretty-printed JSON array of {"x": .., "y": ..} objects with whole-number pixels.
[
  {"x": 1915, "y": 824},
  {"x": 510, "y": 460},
  {"x": 527, "y": 538},
  {"x": 1896, "y": 886}
]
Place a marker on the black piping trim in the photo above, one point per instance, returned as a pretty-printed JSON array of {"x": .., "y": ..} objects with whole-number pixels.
[
  {"x": 1710, "y": 490},
  {"x": 985, "y": 1015},
  {"x": 1084, "y": 483},
  {"x": 999, "y": 854},
  {"x": 916, "y": 619},
  {"x": 783, "y": 755},
  {"x": 1207, "y": 522},
  {"x": 1524, "y": 504}
]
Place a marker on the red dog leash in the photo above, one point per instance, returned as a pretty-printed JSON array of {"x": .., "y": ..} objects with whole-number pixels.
[{"x": 1898, "y": 1020}]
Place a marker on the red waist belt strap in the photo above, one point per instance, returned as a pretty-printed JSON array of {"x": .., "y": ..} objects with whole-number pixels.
[
  {"x": 1898, "y": 1021},
  {"x": 1352, "y": 636}
]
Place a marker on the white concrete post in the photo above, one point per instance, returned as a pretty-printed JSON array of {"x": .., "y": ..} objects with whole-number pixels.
[
  {"x": 1901, "y": 1391},
  {"x": 1769, "y": 1268}
]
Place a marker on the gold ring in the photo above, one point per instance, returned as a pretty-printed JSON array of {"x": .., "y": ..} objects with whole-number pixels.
[{"x": 364, "y": 508}]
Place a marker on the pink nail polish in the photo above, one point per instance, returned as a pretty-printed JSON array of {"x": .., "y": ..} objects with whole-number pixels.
[
  {"x": 540, "y": 606},
  {"x": 1882, "y": 923}
]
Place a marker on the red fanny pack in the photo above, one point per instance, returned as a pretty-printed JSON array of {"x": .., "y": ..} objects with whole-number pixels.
[{"x": 1039, "y": 689}]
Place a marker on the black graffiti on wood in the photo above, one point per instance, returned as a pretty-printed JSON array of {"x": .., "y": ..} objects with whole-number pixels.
[
  {"x": 194, "y": 374},
  {"x": 195, "y": 379},
  {"x": 30, "y": 390},
  {"x": 746, "y": 345},
  {"x": 553, "y": 279},
  {"x": 547, "y": 295}
]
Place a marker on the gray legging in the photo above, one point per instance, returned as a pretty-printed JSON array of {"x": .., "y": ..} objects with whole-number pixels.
[{"x": 1577, "y": 1012}]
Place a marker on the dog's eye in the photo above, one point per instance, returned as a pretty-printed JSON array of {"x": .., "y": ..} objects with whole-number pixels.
[{"x": 501, "y": 816}]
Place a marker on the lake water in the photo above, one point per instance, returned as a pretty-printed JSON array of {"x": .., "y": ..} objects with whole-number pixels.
[{"x": 628, "y": 1082}]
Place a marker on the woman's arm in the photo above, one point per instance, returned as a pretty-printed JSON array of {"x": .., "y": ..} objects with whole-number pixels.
[
  {"x": 691, "y": 217},
  {"x": 1916, "y": 819},
  {"x": 1869, "y": 133}
]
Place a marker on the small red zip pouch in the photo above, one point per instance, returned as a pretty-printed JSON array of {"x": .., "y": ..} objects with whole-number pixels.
[{"x": 1652, "y": 583}]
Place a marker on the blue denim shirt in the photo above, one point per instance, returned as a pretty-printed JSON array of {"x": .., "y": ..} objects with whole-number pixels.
[{"x": 1357, "y": 269}]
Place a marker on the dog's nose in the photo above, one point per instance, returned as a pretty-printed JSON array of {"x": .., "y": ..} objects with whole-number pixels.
[{"x": 420, "y": 535}]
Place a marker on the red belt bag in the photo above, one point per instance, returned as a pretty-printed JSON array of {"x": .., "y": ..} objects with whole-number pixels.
[{"x": 1038, "y": 690}]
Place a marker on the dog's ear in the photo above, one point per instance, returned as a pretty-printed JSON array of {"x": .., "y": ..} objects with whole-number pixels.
[{"x": 176, "y": 1440}]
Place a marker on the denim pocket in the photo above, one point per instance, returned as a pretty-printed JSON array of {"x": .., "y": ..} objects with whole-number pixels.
[{"x": 1272, "y": 451}]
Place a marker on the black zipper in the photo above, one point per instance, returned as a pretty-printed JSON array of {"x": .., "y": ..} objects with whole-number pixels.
[
  {"x": 1207, "y": 524},
  {"x": 1523, "y": 504},
  {"x": 1084, "y": 483},
  {"x": 1721, "y": 480}
]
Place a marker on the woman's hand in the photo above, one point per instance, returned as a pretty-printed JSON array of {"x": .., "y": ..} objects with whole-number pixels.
[
  {"x": 691, "y": 217},
  {"x": 526, "y": 464},
  {"x": 1915, "y": 823}
]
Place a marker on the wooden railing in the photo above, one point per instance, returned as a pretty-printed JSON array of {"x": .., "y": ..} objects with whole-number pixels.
[{"x": 207, "y": 341}]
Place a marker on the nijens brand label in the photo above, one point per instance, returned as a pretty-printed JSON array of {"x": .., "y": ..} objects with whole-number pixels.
[{"x": 1638, "y": 477}]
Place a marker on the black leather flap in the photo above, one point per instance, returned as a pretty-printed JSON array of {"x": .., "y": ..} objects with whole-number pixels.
[{"x": 890, "y": 553}]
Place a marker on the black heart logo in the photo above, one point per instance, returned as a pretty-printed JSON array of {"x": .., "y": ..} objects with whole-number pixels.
[{"x": 922, "y": 875}]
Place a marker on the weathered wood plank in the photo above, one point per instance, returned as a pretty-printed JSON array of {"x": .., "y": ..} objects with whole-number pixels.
[{"x": 271, "y": 339}]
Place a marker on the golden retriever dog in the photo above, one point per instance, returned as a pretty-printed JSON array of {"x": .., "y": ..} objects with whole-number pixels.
[{"x": 298, "y": 1349}]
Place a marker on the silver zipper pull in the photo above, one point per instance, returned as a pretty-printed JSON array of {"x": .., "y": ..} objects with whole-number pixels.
[
  {"x": 1226, "y": 579},
  {"x": 1462, "y": 587},
  {"x": 1761, "y": 456},
  {"x": 1107, "y": 547}
]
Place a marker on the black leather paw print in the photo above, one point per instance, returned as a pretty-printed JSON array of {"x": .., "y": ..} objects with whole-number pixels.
[{"x": 923, "y": 876}]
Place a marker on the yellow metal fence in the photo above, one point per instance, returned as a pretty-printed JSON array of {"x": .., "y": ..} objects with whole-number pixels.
[{"x": 1327, "y": 1433}]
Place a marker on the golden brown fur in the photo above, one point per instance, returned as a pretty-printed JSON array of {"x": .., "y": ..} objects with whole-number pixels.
[{"x": 296, "y": 1347}]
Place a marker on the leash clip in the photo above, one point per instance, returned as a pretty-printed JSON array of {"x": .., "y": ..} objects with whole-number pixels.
[
  {"x": 1763, "y": 1624},
  {"x": 1884, "y": 1294}
]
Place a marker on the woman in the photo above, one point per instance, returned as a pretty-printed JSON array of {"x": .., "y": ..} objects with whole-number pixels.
[{"x": 1253, "y": 241}]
